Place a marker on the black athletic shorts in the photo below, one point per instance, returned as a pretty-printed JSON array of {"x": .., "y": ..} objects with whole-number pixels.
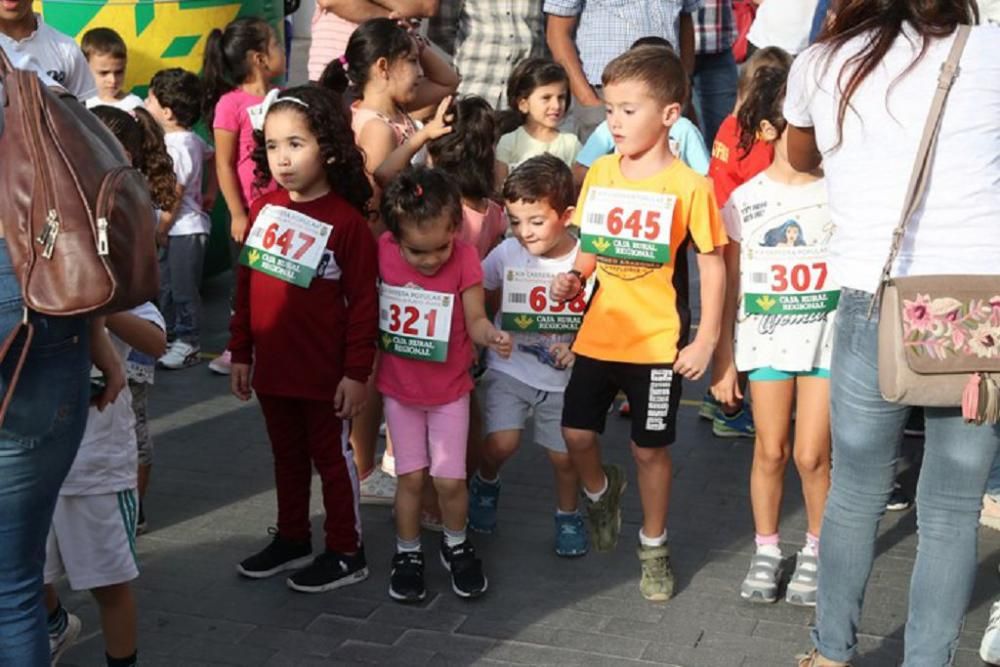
[{"x": 653, "y": 391}]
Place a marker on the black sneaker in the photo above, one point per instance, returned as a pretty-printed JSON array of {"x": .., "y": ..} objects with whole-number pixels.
[
  {"x": 898, "y": 500},
  {"x": 278, "y": 556},
  {"x": 406, "y": 583},
  {"x": 330, "y": 570},
  {"x": 467, "y": 578}
]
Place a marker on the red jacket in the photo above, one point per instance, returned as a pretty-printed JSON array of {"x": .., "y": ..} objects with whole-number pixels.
[
  {"x": 303, "y": 340},
  {"x": 728, "y": 169}
]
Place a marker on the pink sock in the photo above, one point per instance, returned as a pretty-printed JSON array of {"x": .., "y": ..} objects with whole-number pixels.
[
  {"x": 766, "y": 540},
  {"x": 812, "y": 542}
]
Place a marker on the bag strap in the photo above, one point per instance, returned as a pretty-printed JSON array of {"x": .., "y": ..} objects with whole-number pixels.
[
  {"x": 921, "y": 165},
  {"x": 26, "y": 324}
]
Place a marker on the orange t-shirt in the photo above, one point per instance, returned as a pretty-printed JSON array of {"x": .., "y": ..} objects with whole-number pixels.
[{"x": 639, "y": 311}]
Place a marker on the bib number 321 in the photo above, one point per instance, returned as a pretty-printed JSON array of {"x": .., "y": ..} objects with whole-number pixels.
[
  {"x": 628, "y": 224},
  {"x": 415, "y": 323}
]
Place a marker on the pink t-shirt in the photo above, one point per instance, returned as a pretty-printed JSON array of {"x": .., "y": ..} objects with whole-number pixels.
[
  {"x": 483, "y": 230},
  {"x": 329, "y": 37},
  {"x": 232, "y": 114},
  {"x": 416, "y": 382}
]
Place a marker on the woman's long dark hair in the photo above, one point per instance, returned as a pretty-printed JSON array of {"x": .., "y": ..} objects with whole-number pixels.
[{"x": 881, "y": 22}]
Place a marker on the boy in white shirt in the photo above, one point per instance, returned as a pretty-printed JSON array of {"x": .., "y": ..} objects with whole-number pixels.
[
  {"x": 107, "y": 57},
  {"x": 92, "y": 538},
  {"x": 174, "y": 100},
  {"x": 539, "y": 195}
]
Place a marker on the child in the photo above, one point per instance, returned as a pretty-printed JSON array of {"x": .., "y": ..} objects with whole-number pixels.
[
  {"x": 783, "y": 305},
  {"x": 174, "y": 100},
  {"x": 92, "y": 538},
  {"x": 107, "y": 57},
  {"x": 432, "y": 311},
  {"x": 639, "y": 210},
  {"x": 539, "y": 195},
  {"x": 306, "y": 322},
  {"x": 382, "y": 68},
  {"x": 240, "y": 64},
  {"x": 686, "y": 141},
  {"x": 143, "y": 141},
  {"x": 538, "y": 91}
]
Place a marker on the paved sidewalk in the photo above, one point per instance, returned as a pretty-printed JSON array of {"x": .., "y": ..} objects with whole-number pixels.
[{"x": 212, "y": 499}]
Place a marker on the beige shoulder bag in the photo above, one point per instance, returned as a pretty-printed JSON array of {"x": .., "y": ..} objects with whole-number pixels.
[{"x": 939, "y": 336}]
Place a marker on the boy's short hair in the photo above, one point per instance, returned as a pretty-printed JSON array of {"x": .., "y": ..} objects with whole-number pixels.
[
  {"x": 180, "y": 91},
  {"x": 770, "y": 56},
  {"x": 656, "y": 66},
  {"x": 541, "y": 178},
  {"x": 103, "y": 42}
]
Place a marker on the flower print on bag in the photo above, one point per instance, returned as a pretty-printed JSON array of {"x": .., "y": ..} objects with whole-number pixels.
[{"x": 945, "y": 327}]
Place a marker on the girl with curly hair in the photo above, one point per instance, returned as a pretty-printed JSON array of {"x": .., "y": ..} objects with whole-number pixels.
[{"x": 306, "y": 321}]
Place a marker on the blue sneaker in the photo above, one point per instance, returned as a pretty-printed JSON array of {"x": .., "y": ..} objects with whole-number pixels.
[
  {"x": 739, "y": 425},
  {"x": 709, "y": 407},
  {"x": 483, "y": 500},
  {"x": 571, "y": 535}
]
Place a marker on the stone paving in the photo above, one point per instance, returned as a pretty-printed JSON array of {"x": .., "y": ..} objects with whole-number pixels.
[{"x": 212, "y": 500}]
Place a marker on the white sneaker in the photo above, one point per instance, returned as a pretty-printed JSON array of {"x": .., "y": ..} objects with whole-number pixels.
[
  {"x": 379, "y": 488},
  {"x": 222, "y": 364},
  {"x": 58, "y": 643},
  {"x": 180, "y": 355},
  {"x": 989, "y": 649}
]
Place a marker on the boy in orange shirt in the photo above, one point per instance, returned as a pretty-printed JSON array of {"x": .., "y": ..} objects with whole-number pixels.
[{"x": 638, "y": 212}]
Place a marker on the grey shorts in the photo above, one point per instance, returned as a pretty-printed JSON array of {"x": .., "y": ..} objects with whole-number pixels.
[
  {"x": 508, "y": 403},
  {"x": 140, "y": 407}
]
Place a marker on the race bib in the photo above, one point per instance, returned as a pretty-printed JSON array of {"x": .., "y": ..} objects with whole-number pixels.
[
  {"x": 527, "y": 306},
  {"x": 628, "y": 224},
  {"x": 415, "y": 323},
  {"x": 286, "y": 244},
  {"x": 776, "y": 284}
]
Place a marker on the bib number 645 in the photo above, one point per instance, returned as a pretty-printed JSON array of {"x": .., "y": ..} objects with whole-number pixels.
[{"x": 647, "y": 226}]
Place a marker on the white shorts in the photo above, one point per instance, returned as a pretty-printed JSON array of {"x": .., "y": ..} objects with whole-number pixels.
[{"x": 92, "y": 540}]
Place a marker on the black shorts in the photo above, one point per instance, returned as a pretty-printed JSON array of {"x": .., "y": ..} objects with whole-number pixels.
[{"x": 653, "y": 391}]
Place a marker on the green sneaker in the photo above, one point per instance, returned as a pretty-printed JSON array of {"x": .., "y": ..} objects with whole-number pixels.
[
  {"x": 605, "y": 516},
  {"x": 657, "y": 583}
]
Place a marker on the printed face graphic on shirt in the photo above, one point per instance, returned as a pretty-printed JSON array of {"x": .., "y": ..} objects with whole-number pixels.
[{"x": 786, "y": 235}]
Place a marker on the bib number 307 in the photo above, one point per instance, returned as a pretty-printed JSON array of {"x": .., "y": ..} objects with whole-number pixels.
[
  {"x": 415, "y": 323},
  {"x": 628, "y": 224},
  {"x": 789, "y": 288}
]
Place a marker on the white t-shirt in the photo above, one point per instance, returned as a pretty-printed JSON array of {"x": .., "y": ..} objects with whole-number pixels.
[
  {"x": 25, "y": 62},
  {"x": 522, "y": 365},
  {"x": 59, "y": 56},
  {"x": 989, "y": 11},
  {"x": 189, "y": 153},
  {"x": 127, "y": 103},
  {"x": 958, "y": 229},
  {"x": 517, "y": 146},
  {"x": 783, "y": 23},
  {"x": 787, "y": 298},
  {"x": 107, "y": 461}
]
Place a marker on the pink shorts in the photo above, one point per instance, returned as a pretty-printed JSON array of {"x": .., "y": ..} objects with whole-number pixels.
[{"x": 432, "y": 436}]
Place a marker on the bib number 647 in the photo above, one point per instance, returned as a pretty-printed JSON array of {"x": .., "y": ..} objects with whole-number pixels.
[{"x": 285, "y": 240}]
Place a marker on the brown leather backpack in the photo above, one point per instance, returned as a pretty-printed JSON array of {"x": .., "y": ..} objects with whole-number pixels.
[{"x": 78, "y": 221}]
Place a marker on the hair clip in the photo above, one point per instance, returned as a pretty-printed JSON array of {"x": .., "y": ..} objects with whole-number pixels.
[
  {"x": 343, "y": 61},
  {"x": 418, "y": 190}
]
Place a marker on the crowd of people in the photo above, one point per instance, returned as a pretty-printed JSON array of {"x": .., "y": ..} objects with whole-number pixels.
[{"x": 480, "y": 215}]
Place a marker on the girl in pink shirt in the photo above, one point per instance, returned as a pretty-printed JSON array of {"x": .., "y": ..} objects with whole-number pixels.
[
  {"x": 240, "y": 63},
  {"x": 424, "y": 374}
]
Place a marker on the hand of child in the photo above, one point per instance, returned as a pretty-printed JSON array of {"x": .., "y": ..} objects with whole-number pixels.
[
  {"x": 238, "y": 227},
  {"x": 106, "y": 359},
  {"x": 440, "y": 125},
  {"x": 726, "y": 385},
  {"x": 162, "y": 236},
  {"x": 349, "y": 400},
  {"x": 564, "y": 287},
  {"x": 208, "y": 203},
  {"x": 501, "y": 343},
  {"x": 562, "y": 354},
  {"x": 239, "y": 381},
  {"x": 693, "y": 360}
]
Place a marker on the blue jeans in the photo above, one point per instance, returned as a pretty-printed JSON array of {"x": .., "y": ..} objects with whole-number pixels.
[
  {"x": 867, "y": 431},
  {"x": 38, "y": 441},
  {"x": 993, "y": 483},
  {"x": 714, "y": 91}
]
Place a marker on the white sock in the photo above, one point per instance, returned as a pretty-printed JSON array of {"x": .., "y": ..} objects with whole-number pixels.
[
  {"x": 652, "y": 541},
  {"x": 491, "y": 482},
  {"x": 594, "y": 497},
  {"x": 389, "y": 464},
  {"x": 561, "y": 512},
  {"x": 407, "y": 546},
  {"x": 453, "y": 537},
  {"x": 769, "y": 550}
]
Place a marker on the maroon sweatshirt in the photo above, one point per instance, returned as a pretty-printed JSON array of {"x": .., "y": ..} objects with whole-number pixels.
[{"x": 303, "y": 340}]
